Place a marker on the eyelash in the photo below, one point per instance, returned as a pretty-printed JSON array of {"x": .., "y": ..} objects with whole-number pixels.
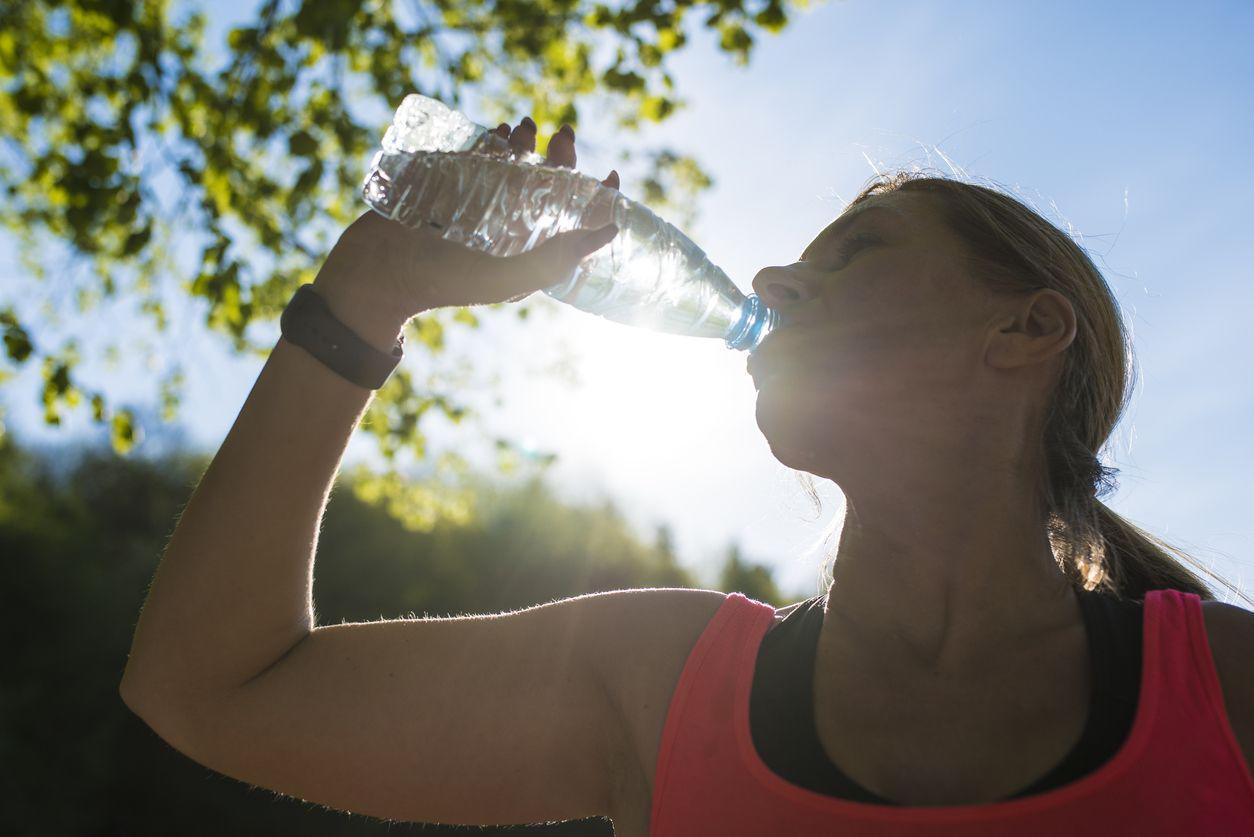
[{"x": 850, "y": 246}]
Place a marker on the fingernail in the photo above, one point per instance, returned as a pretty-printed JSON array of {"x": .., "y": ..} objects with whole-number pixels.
[
  {"x": 528, "y": 121},
  {"x": 567, "y": 129}
]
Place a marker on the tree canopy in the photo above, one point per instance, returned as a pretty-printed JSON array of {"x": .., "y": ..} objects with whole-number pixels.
[{"x": 144, "y": 163}]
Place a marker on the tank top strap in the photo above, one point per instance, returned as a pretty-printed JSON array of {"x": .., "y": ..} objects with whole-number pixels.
[
  {"x": 705, "y": 699},
  {"x": 1191, "y": 718}
]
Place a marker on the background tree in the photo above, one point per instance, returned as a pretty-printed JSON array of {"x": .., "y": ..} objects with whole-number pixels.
[
  {"x": 754, "y": 580},
  {"x": 137, "y": 165}
]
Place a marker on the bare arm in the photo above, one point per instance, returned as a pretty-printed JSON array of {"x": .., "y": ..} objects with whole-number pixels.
[
  {"x": 233, "y": 591},
  {"x": 475, "y": 720}
]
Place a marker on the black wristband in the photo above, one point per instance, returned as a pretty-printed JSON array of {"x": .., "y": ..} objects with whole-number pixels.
[{"x": 307, "y": 322}]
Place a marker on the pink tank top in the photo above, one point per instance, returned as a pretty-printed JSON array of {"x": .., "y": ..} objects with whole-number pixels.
[{"x": 1179, "y": 772}]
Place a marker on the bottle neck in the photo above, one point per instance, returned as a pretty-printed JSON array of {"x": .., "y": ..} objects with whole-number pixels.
[{"x": 756, "y": 321}]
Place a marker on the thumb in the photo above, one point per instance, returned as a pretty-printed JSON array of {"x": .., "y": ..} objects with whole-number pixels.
[
  {"x": 557, "y": 259},
  {"x": 575, "y": 245}
]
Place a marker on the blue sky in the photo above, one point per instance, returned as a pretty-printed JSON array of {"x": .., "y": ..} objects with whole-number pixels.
[{"x": 1131, "y": 123}]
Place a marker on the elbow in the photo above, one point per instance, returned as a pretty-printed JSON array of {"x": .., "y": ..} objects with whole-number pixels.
[
  {"x": 132, "y": 695},
  {"x": 136, "y": 688},
  {"x": 165, "y": 716},
  {"x": 144, "y": 701},
  {"x": 153, "y": 687},
  {"x": 150, "y": 696}
]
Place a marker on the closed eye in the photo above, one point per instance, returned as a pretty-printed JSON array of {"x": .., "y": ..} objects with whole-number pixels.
[{"x": 852, "y": 245}]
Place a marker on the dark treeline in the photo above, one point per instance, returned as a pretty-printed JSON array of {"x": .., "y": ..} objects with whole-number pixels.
[{"x": 79, "y": 542}]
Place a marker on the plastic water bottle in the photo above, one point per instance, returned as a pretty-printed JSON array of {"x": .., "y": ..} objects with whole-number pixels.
[{"x": 439, "y": 169}]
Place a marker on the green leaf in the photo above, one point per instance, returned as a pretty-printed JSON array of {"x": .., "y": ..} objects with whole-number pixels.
[
  {"x": 17, "y": 342},
  {"x": 470, "y": 67},
  {"x": 430, "y": 331},
  {"x": 137, "y": 240},
  {"x": 171, "y": 390},
  {"x": 656, "y": 108},
  {"x": 735, "y": 38},
  {"x": 302, "y": 144},
  {"x": 626, "y": 82},
  {"x": 217, "y": 189},
  {"x": 670, "y": 39},
  {"x": 308, "y": 179},
  {"x": 242, "y": 38},
  {"x": 124, "y": 433},
  {"x": 772, "y": 18}
]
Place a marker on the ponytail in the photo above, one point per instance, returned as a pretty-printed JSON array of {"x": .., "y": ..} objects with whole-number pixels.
[{"x": 1139, "y": 561}]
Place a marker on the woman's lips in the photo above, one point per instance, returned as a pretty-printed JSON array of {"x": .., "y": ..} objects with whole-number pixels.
[{"x": 789, "y": 352}]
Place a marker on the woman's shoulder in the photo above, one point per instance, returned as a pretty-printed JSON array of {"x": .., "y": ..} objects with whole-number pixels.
[
  {"x": 643, "y": 641},
  {"x": 642, "y": 638},
  {"x": 647, "y": 627}
]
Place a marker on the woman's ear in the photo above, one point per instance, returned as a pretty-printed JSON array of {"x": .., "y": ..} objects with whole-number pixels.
[{"x": 1030, "y": 329}]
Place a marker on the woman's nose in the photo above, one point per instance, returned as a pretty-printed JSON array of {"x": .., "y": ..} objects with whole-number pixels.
[{"x": 781, "y": 286}]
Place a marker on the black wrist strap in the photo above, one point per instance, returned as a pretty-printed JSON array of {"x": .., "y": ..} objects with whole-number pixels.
[{"x": 308, "y": 322}]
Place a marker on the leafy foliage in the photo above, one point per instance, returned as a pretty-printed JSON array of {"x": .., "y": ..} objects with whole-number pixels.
[{"x": 161, "y": 171}]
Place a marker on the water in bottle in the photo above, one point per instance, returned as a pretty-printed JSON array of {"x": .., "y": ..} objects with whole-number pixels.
[{"x": 440, "y": 170}]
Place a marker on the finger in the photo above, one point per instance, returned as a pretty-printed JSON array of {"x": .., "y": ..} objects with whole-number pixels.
[
  {"x": 524, "y": 136},
  {"x": 561, "y": 150},
  {"x": 502, "y": 130},
  {"x": 612, "y": 180}
]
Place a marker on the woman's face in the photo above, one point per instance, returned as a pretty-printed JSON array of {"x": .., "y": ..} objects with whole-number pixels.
[{"x": 881, "y": 338}]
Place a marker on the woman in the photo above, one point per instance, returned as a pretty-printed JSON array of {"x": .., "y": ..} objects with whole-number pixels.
[{"x": 948, "y": 358}]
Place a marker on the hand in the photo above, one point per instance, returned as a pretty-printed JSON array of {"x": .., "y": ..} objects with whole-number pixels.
[{"x": 400, "y": 271}]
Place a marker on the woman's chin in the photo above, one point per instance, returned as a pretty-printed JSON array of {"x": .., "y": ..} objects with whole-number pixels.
[
  {"x": 785, "y": 403},
  {"x": 799, "y": 457},
  {"x": 794, "y": 438}
]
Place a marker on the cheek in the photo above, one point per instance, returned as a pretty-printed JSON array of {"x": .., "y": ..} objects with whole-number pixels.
[
  {"x": 894, "y": 335},
  {"x": 877, "y": 358}
]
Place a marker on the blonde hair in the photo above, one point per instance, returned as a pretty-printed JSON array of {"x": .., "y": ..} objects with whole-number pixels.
[{"x": 1013, "y": 249}]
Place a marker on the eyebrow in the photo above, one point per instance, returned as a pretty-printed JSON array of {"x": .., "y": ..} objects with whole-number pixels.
[{"x": 842, "y": 224}]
